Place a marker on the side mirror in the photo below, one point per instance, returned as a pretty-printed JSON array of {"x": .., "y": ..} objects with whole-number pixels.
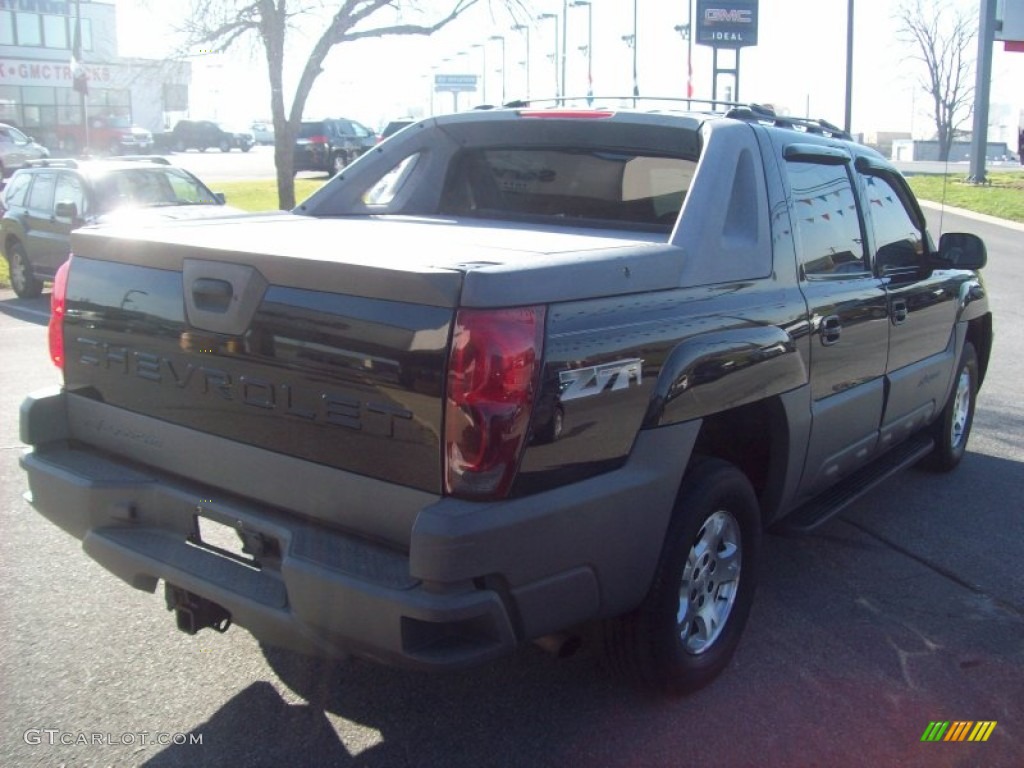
[
  {"x": 962, "y": 250},
  {"x": 220, "y": 197},
  {"x": 66, "y": 210}
]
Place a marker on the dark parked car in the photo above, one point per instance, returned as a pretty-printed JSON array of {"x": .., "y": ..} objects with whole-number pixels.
[
  {"x": 331, "y": 144},
  {"x": 45, "y": 201},
  {"x": 203, "y": 134},
  {"x": 16, "y": 149}
]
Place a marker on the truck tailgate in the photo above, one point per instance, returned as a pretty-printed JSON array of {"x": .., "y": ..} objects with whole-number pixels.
[{"x": 190, "y": 336}]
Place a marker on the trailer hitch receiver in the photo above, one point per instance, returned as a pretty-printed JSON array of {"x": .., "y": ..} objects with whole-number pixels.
[{"x": 194, "y": 612}]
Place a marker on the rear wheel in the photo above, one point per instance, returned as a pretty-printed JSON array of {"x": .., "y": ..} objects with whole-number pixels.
[
  {"x": 689, "y": 625},
  {"x": 25, "y": 284},
  {"x": 225, "y": 145},
  {"x": 338, "y": 162},
  {"x": 953, "y": 428}
]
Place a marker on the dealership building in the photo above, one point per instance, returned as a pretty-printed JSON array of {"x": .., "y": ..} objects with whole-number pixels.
[{"x": 37, "y": 38}]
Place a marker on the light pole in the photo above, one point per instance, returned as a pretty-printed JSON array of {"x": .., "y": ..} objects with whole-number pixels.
[
  {"x": 631, "y": 41},
  {"x": 686, "y": 31},
  {"x": 526, "y": 31},
  {"x": 483, "y": 68},
  {"x": 502, "y": 39},
  {"x": 554, "y": 17},
  {"x": 565, "y": 36},
  {"x": 590, "y": 46}
]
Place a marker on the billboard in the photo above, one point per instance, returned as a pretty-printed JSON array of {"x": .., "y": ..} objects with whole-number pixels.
[
  {"x": 730, "y": 23},
  {"x": 1011, "y": 15}
]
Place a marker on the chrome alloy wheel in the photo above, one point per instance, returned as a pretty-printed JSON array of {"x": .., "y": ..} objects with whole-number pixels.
[
  {"x": 710, "y": 582},
  {"x": 961, "y": 408},
  {"x": 20, "y": 274}
]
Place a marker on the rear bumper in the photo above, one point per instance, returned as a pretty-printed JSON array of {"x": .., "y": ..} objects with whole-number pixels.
[{"x": 476, "y": 580}]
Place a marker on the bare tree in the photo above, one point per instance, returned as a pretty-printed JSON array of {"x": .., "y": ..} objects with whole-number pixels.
[
  {"x": 218, "y": 25},
  {"x": 941, "y": 36}
]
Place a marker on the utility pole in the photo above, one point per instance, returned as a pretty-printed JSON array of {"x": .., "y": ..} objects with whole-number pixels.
[
  {"x": 848, "y": 120},
  {"x": 979, "y": 136}
]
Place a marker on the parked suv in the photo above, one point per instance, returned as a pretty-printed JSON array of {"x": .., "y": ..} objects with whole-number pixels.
[
  {"x": 331, "y": 144},
  {"x": 45, "y": 201},
  {"x": 16, "y": 149},
  {"x": 203, "y": 134}
]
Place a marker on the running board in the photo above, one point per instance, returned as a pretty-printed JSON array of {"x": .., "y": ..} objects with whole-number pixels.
[{"x": 830, "y": 503}]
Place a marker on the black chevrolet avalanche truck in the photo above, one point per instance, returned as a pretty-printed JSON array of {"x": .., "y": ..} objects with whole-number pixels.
[{"x": 511, "y": 374}]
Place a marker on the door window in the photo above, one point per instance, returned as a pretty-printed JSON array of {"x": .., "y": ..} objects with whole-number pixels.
[
  {"x": 898, "y": 240},
  {"x": 69, "y": 190},
  {"x": 827, "y": 221},
  {"x": 40, "y": 199}
]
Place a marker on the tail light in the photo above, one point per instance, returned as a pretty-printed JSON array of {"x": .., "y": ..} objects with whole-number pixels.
[
  {"x": 493, "y": 376},
  {"x": 318, "y": 140},
  {"x": 58, "y": 308}
]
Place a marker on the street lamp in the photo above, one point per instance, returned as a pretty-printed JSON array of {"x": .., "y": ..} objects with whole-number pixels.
[
  {"x": 526, "y": 30},
  {"x": 554, "y": 17},
  {"x": 483, "y": 68},
  {"x": 589, "y": 47},
  {"x": 686, "y": 32},
  {"x": 631, "y": 41},
  {"x": 502, "y": 39}
]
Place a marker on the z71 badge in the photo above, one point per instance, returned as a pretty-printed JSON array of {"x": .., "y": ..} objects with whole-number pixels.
[{"x": 585, "y": 382}]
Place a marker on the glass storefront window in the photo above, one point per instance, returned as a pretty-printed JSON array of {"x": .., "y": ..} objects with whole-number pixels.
[
  {"x": 29, "y": 28},
  {"x": 6, "y": 28},
  {"x": 9, "y": 100},
  {"x": 86, "y": 34},
  {"x": 55, "y": 32}
]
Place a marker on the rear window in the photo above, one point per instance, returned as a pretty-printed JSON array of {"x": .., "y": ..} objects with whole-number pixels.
[
  {"x": 569, "y": 184},
  {"x": 307, "y": 130}
]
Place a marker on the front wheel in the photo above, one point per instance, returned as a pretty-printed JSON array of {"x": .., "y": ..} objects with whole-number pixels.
[
  {"x": 25, "y": 284},
  {"x": 952, "y": 429},
  {"x": 686, "y": 630}
]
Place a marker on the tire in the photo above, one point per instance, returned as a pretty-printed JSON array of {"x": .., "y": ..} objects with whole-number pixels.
[
  {"x": 25, "y": 284},
  {"x": 338, "y": 162},
  {"x": 689, "y": 625},
  {"x": 225, "y": 145},
  {"x": 179, "y": 146},
  {"x": 115, "y": 148},
  {"x": 953, "y": 427}
]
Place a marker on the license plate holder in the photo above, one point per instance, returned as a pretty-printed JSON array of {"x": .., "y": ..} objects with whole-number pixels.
[{"x": 224, "y": 540}]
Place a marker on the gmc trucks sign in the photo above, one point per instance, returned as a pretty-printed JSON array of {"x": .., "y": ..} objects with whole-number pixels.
[{"x": 727, "y": 23}]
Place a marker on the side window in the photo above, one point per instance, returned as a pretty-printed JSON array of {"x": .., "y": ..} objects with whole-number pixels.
[
  {"x": 69, "y": 190},
  {"x": 40, "y": 199},
  {"x": 826, "y": 219},
  {"x": 391, "y": 183},
  {"x": 898, "y": 239},
  {"x": 14, "y": 192}
]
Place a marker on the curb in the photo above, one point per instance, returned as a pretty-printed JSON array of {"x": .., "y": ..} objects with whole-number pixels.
[{"x": 972, "y": 215}]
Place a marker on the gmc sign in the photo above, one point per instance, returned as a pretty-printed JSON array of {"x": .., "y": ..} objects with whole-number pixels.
[{"x": 727, "y": 23}]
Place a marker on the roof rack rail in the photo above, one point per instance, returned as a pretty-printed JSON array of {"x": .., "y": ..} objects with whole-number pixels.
[
  {"x": 52, "y": 162},
  {"x": 762, "y": 114},
  {"x": 158, "y": 159},
  {"x": 71, "y": 162}
]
